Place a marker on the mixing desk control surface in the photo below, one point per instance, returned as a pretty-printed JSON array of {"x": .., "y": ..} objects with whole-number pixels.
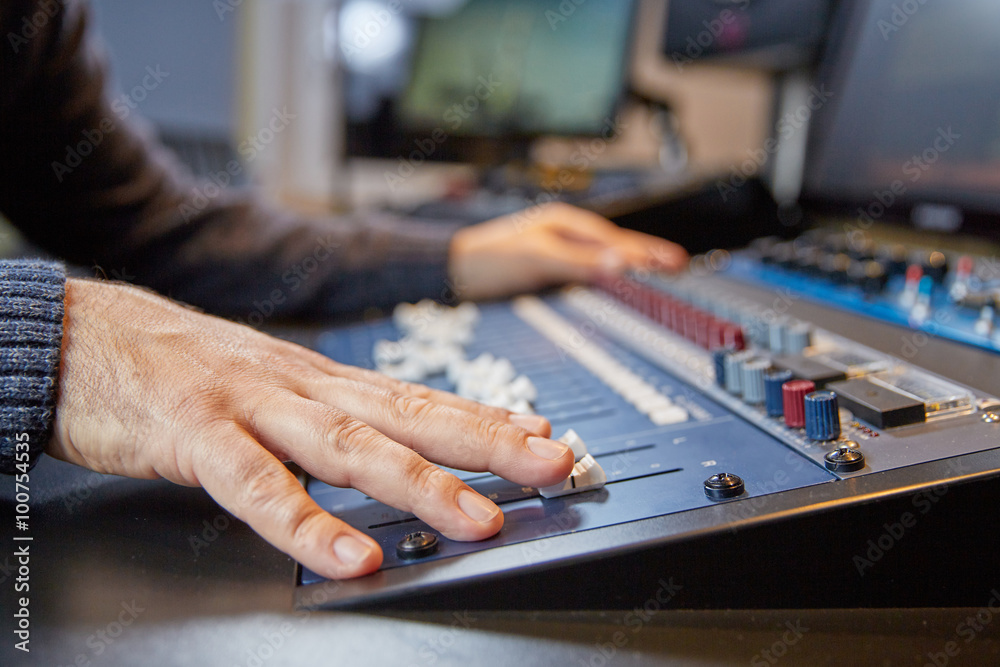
[
  {"x": 677, "y": 399},
  {"x": 656, "y": 438}
]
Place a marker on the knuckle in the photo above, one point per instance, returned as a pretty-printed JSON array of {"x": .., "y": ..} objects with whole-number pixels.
[
  {"x": 494, "y": 432},
  {"x": 266, "y": 493},
  {"x": 426, "y": 480},
  {"x": 416, "y": 390},
  {"x": 256, "y": 406},
  {"x": 262, "y": 486},
  {"x": 307, "y": 528},
  {"x": 488, "y": 439},
  {"x": 412, "y": 407},
  {"x": 344, "y": 434}
]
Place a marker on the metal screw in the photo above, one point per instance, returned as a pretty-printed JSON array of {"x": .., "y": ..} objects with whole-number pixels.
[
  {"x": 417, "y": 545},
  {"x": 845, "y": 458},
  {"x": 723, "y": 485}
]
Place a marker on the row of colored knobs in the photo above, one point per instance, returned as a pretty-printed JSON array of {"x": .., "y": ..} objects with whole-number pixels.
[
  {"x": 695, "y": 324},
  {"x": 742, "y": 374},
  {"x": 739, "y": 371}
]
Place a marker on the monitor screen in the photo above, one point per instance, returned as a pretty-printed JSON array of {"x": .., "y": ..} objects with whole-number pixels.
[
  {"x": 912, "y": 125},
  {"x": 485, "y": 71},
  {"x": 519, "y": 67}
]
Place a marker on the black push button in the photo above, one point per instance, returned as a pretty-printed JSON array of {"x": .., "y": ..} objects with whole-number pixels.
[
  {"x": 879, "y": 406},
  {"x": 804, "y": 368}
]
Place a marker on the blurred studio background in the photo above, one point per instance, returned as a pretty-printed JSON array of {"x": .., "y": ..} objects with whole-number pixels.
[{"x": 467, "y": 109}]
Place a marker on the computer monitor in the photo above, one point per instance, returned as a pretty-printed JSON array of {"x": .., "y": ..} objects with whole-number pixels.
[
  {"x": 911, "y": 130},
  {"x": 519, "y": 67},
  {"x": 776, "y": 35},
  {"x": 482, "y": 78}
]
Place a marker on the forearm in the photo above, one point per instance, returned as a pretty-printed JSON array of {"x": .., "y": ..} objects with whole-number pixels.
[
  {"x": 245, "y": 260},
  {"x": 86, "y": 183}
]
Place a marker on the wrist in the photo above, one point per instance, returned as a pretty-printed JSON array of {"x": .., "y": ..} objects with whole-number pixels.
[{"x": 489, "y": 261}]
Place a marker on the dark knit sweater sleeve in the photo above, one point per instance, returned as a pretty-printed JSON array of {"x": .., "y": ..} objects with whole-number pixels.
[{"x": 31, "y": 319}]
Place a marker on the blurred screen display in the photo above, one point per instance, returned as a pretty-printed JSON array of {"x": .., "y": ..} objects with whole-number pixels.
[
  {"x": 498, "y": 71},
  {"x": 913, "y": 115},
  {"x": 520, "y": 67}
]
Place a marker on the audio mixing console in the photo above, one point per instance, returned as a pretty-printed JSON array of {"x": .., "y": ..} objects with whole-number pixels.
[{"x": 703, "y": 416}]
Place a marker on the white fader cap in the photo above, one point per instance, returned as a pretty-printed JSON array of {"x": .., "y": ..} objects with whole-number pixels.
[
  {"x": 587, "y": 474},
  {"x": 575, "y": 443}
]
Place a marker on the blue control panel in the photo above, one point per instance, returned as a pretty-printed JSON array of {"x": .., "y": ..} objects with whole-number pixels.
[{"x": 946, "y": 295}]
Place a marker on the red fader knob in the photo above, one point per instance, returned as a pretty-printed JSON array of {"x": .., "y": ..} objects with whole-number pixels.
[
  {"x": 793, "y": 395},
  {"x": 732, "y": 336}
]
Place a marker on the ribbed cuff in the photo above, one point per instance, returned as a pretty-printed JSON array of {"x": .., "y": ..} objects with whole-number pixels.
[
  {"x": 417, "y": 264},
  {"x": 31, "y": 317}
]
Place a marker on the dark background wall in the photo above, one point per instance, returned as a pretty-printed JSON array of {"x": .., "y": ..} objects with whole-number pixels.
[{"x": 186, "y": 38}]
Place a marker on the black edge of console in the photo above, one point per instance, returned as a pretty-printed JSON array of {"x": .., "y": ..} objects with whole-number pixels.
[{"x": 785, "y": 550}]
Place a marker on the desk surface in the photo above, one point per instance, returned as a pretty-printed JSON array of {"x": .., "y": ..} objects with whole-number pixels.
[{"x": 132, "y": 572}]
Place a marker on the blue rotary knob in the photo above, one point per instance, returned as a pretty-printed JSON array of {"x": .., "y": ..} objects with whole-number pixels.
[
  {"x": 773, "y": 400},
  {"x": 822, "y": 416},
  {"x": 798, "y": 337},
  {"x": 734, "y": 371},
  {"x": 719, "y": 361},
  {"x": 776, "y": 333}
]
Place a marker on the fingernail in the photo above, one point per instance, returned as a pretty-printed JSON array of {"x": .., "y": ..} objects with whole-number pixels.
[
  {"x": 546, "y": 449},
  {"x": 476, "y": 507},
  {"x": 533, "y": 423},
  {"x": 350, "y": 550}
]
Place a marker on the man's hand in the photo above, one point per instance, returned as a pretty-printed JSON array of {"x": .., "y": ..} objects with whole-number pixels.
[
  {"x": 548, "y": 245},
  {"x": 151, "y": 389}
]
